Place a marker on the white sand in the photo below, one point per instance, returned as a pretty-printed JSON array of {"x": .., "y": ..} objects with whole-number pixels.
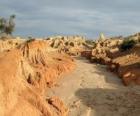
[{"x": 90, "y": 90}]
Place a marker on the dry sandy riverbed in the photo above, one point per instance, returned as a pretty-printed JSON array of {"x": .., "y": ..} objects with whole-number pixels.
[{"x": 90, "y": 90}]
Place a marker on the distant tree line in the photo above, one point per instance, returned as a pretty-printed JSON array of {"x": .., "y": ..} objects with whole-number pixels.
[{"x": 7, "y": 26}]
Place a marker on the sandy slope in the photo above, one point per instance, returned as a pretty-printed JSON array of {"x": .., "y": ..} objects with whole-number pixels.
[{"x": 92, "y": 91}]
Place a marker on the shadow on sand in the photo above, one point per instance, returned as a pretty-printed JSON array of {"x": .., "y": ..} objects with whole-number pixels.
[{"x": 107, "y": 102}]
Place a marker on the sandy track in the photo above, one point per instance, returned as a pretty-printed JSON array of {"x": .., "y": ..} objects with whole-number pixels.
[{"x": 90, "y": 90}]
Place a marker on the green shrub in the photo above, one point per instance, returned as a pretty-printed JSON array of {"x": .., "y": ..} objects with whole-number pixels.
[
  {"x": 30, "y": 40},
  {"x": 127, "y": 44},
  {"x": 7, "y": 26}
]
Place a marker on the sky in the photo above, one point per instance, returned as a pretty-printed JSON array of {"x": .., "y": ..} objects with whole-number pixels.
[{"x": 42, "y": 18}]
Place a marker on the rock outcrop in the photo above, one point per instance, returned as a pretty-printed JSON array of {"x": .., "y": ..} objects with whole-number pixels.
[
  {"x": 103, "y": 48},
  {"x": 27, "y": 70},
  {"x": 72, "y": 45},
  {"x": 127, "y": 65},
  {"x": 124, "y": 63}
]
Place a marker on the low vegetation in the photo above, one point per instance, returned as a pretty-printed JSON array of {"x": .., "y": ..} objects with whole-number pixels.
[{"x": 127, "y": 44}]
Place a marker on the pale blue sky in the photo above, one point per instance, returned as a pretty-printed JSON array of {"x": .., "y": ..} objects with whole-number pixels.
[{"x": 70, "y": 17}]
